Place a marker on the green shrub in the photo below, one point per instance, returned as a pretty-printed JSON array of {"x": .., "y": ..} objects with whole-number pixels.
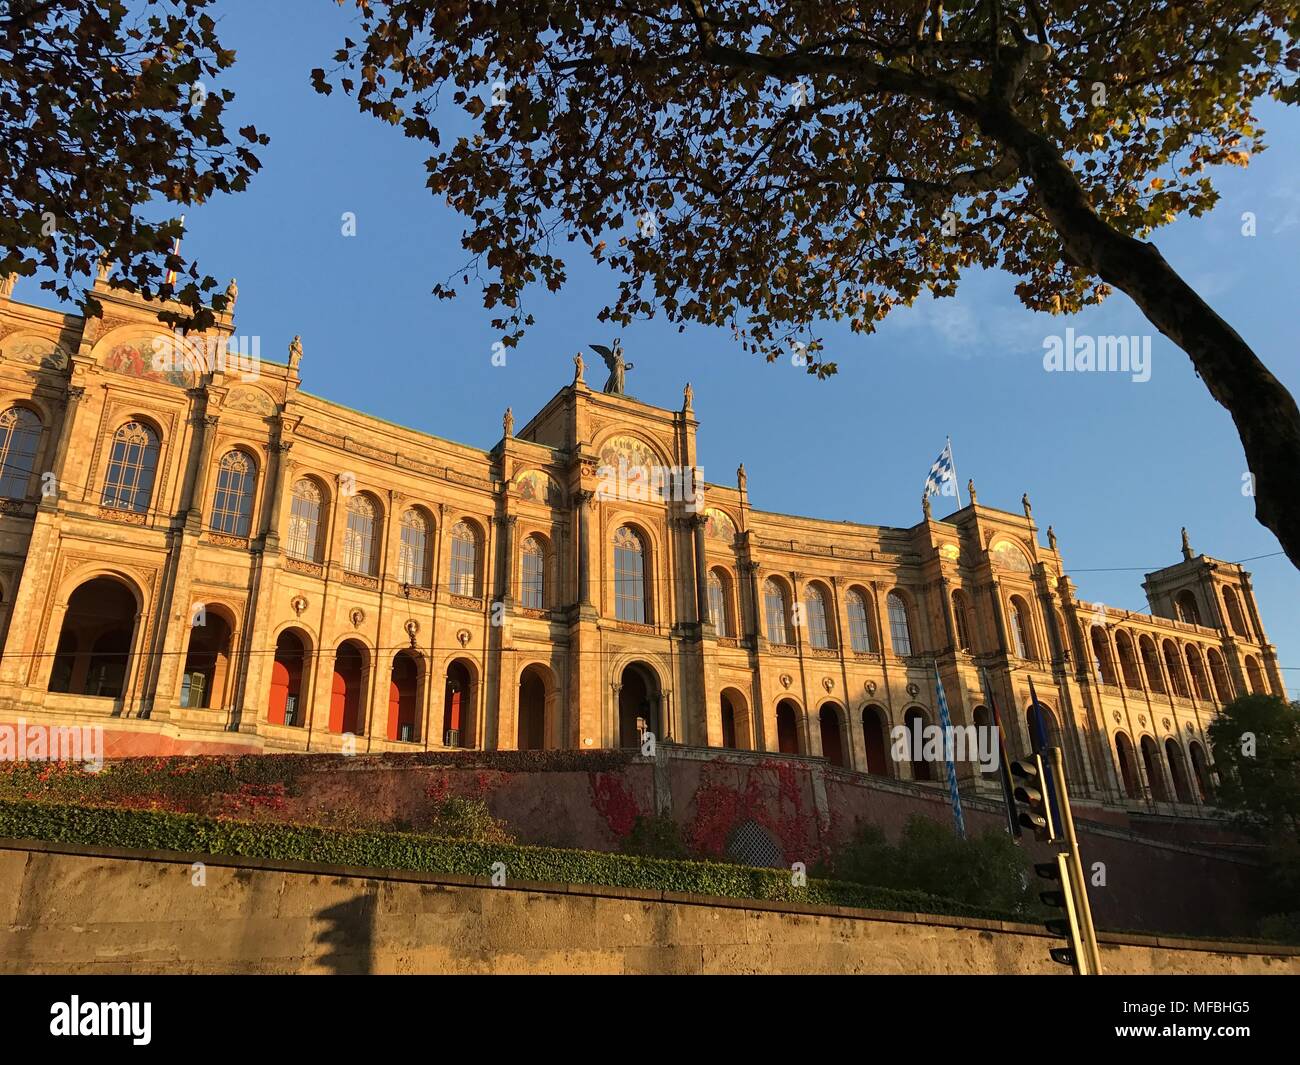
[
  {"x": 984, "y": 871},
  {"x": 190, "y": 834},
  {"x": 465, "y": 817},
  {"x": 655, "y": 836}
]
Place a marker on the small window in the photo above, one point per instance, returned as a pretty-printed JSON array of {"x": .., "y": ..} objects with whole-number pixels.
[
  {"x": 413, "y": 551},
  {"x": 232, "y": 506},
  {"x": 464, "y": 560},
  {"x": 132, "y": 466},
  {"x": 718, "y": 604},
  {"x": 818, "y": 632},
  {"x": 900, "y": 631},
  {"x": 962, "y": 620},
  {"x": 1020, "y": 629},
  {"x": 629, "y": 577},
  {"x": 360, "y": 554},
  {"x": 305, "y": 521},
  {"x": 20, "y": 437},
  {"x": 774, "y": 603},
  {"x": 532, "y": 580},
  {"x": 859, "y": 623}
]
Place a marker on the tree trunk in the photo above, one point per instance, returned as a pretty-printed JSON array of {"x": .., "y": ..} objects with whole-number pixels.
[{"x": 1264, "y": 412}]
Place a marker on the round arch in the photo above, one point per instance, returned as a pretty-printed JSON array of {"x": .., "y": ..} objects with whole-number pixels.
[
  {"x": 535, "y": 724},
  {"x": 831, "y": 725},
  {"x": 460, "y": 702},
  {"x": 95, "y": 642},
  {"x": 875, "y": 735},
  {"x": 737, "y": 728}
]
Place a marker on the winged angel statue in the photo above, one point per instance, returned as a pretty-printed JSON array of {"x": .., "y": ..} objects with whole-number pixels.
[{"x": 617, "y": 367}]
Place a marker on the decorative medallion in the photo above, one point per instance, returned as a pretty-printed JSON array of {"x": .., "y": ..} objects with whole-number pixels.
[
  {"x": 1118, "y": 717},
  {"x": 828, "y": 684},
  {"x": 913, "y": 689},
  {"x": 1165, "y": 722},
  {"x": 871, "y": 687},
  {"x": 357, "y": 617},
  {"x": 950, "y": 551},
  {"x": 463, "y": 637},
  {"x": 786, "y": 680},
  {"x": 412, "y": 627},
  {"x": 1142, "y": 720},
  {"x": 299, "y": 604}
]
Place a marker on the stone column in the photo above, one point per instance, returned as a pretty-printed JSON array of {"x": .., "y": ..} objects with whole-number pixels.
[
  {"x": 207, "y": 434},
  {"x": 74, "y": 395},
  {"x": 582, "y": 501},
  {"x": 279, "y": 456},
  {"x": 701, "y": 575}
]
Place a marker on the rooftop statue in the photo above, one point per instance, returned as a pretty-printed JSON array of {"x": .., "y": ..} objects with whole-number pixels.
[{"x": 617, "y": 367}]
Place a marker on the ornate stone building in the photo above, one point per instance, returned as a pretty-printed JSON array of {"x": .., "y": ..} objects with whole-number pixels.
[{"x": 203, "y": 558}]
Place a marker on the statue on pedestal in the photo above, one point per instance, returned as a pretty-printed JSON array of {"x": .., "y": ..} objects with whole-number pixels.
[
  {"x": 295, "y": 353},
  {"x": 613, "y": 357}
]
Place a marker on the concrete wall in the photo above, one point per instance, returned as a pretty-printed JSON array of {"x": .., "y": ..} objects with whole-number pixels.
[{"x": 66, "y": 910}]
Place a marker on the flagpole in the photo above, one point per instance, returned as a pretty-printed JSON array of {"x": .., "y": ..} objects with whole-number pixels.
[{"x": 956, "y": 483}]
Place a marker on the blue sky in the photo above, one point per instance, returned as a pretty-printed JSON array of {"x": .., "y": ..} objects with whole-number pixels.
[{"x": 1116, "y": 466}]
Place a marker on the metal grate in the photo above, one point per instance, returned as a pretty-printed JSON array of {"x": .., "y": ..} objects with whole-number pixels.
[{"x": 751, "y": 844}]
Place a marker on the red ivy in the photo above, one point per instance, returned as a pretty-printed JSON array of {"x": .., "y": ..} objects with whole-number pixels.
[{"x": 614, "y": 802}]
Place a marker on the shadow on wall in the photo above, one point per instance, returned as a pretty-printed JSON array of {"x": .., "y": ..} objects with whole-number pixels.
[{"x": 349, "y": 934}]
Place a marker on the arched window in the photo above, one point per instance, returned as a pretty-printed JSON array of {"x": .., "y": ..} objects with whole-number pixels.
[
  {"x": 1155, "y": 772},
  {"x": 1200, "y": 682},
  {"x": 132, "y": 466},
  {"x": 718, "y": 605},
  {"x": 1127, "y": 766},
  {"x": 1101, "y": 656},
  {"x": 305, "y": 521},
  {"x": 464, "y": 560},
  {"x": 1128, "y": 661},
  {"x": 20, "y": 437},
  {"x": 1020, "y": 634},
  {"x": 819, "y": 634},
  {"x": 915, "y": 722},
  {"x": 1151, "y": 663},
  {"x": 1235, "y": 617},
  {"x": 775, "y": 610},
  {"x": 962, "y": 620},
  {"x": 1187, "y": 607},
  {"x": 360, "y": 554},
  {"x": 1201, "y": 769},
  {"x": 1177, "y": 771},
  {"x": 629, "y": 577},
  {"x": 232, "y": 506},
  {"x": 900, "y": 632},
  {"x": 1219, "y": 674},
  {"x": 1174, "y": 667},
  {"x": 859, "y": 622},
  {"x": 532, "y": 574},
  {"x": 413, "y": 561},
  {"x": 1255, "y": 676}
]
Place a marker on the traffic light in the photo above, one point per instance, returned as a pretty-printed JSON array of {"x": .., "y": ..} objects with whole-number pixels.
[
  {"x": 1034, "y": 811},
  {"x": 1067, "y": 926}
]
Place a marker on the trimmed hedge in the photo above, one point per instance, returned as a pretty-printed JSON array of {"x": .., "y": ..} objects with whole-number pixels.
[{"x": 188, "y": 833}]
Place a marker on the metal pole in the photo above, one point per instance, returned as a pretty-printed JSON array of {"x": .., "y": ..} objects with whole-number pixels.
[{"x": 1079, "y": 885}]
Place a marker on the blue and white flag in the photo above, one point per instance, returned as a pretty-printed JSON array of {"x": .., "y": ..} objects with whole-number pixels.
[
  {"x": 942, "y": 479},
  {"x": 945, "y": 719}
]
